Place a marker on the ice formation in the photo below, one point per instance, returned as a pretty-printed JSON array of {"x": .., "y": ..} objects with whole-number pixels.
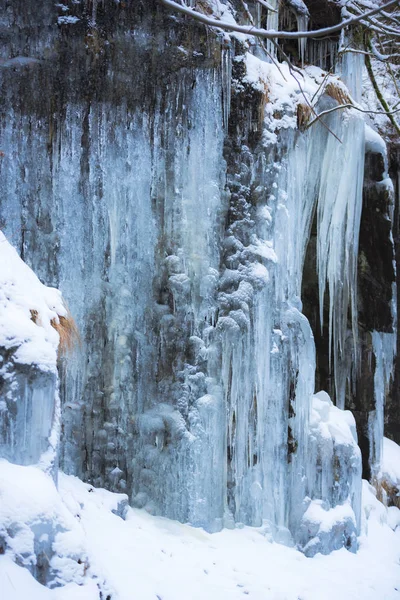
[
  {"x": 176, "y": 222},
  {"x": 242, "y": 379}
]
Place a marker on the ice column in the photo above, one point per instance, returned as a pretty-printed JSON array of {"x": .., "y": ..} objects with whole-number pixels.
[{"x": 339, "y": 214}]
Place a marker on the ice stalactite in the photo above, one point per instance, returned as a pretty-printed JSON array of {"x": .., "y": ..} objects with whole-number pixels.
[
  {"x": 302, "y": 25},
  {"x": 299, "y": 10},
  {"x": 272, "y": 23},
  {"x": 268, "y": 351},
  {"x": 226, "y": 71},
  {"x": 384, "y": 349},
  {"x": 339, "y": 214},
  {"x": 337, "y": 244},
  {"x": 323, "y": 53},
  {"x": 351, "y": 67}
]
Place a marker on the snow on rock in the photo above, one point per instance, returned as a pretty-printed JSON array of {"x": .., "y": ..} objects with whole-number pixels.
[
  {"x": 374, "y": 143},
  {"x": 41, "y": 529},
  {"x": 37, "y": 531},
  {"x": 387, "y": 481},
  {"x": 27, "y": 308},
  {"x": 391, "y": 461},
  {"x": 328, "y": 528},
  {"x": 29, "y": 403}
]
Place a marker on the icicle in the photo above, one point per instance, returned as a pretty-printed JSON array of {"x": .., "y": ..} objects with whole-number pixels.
[
  {"x": 339, "y": 214},
  {"x": 226, "y": 68},
  {"x": 351, "y": 68},
  {"x": 302, "y": 25},
  {"x": 384, "y": 349},
  {"x": 272, "y": 24}
]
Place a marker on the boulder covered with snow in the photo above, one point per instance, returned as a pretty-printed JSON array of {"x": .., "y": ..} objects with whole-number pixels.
[
  {"x": 32, "y": 318},
  {"x": 37, "y": 531},
  {"x": 388, "y": 481}
]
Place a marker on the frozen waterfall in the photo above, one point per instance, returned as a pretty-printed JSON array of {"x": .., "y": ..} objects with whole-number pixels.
[{"x": 175, "y": 219}]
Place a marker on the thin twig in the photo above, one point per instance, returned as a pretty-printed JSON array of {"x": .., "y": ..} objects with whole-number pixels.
[
  {"x": 378, "y": 91},
  {"x": 340, "y": 106}
]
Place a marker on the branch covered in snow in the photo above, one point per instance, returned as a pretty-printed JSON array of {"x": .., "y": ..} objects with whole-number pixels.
[{"x": 271, "y": 34}]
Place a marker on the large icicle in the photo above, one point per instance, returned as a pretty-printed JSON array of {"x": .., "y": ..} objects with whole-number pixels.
[{"x": 339, "y": 214}]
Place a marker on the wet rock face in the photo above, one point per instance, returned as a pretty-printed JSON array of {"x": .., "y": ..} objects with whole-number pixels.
[
  {"x": 376, "y": 251},
  {"x": 112, "y": 52},
  {"x": 392, "y": 422},
  {"x": 323, "y": 13}
]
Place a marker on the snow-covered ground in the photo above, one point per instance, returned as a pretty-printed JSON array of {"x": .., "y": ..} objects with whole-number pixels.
[{"x": 148, "y": 558}]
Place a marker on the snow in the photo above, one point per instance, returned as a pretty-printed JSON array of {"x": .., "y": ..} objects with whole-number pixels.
[
  {"x": 20, "y": 293},
  {"x": 36, "y": 523},
  {"x": 68, "y": 20},
  {"x": 30, "y": 407},
  {"x": 374, "y": 143},
  {"x": 145, "y": 557},
  {"x": 16, "y": 583},
  {"x": 327, "y": 519},
  {"x": 339, "y": 424},
  {"x": 390, "y": 466}
]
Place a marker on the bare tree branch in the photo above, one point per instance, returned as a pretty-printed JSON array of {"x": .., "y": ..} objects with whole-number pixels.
[
  {"x": 363, "y": 110},
  {"x": 378, "y": 92},
  {"x": 271, "y": 34}
]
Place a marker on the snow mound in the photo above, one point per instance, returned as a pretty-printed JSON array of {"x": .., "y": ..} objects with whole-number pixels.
[
  {"x": 41, "y": 530},
  {"x": 27, "y": 308},
  {"x": 37, "y": 531},
  {"x": 388, "y": 479},
  {"x": 390, "y": 466}
]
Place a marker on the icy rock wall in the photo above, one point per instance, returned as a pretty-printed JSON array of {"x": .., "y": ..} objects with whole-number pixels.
[
  {"x": 269, "y": 395},
  {"x": 377, "y": 305},
  {"x": 179, "y": 244},
  {"x": 129, "y": 218}
]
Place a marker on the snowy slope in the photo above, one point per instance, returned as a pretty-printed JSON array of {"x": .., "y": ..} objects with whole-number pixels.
[{"x": 149, "y": 558}]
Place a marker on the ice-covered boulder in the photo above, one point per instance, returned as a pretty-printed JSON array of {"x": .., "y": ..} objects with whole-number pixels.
[
  {"x": 36, "y": 528},
  {"x": 41, "y": 531},
  {"x": 332, "y": 516},
  {"x": 33, "y": 318}
]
